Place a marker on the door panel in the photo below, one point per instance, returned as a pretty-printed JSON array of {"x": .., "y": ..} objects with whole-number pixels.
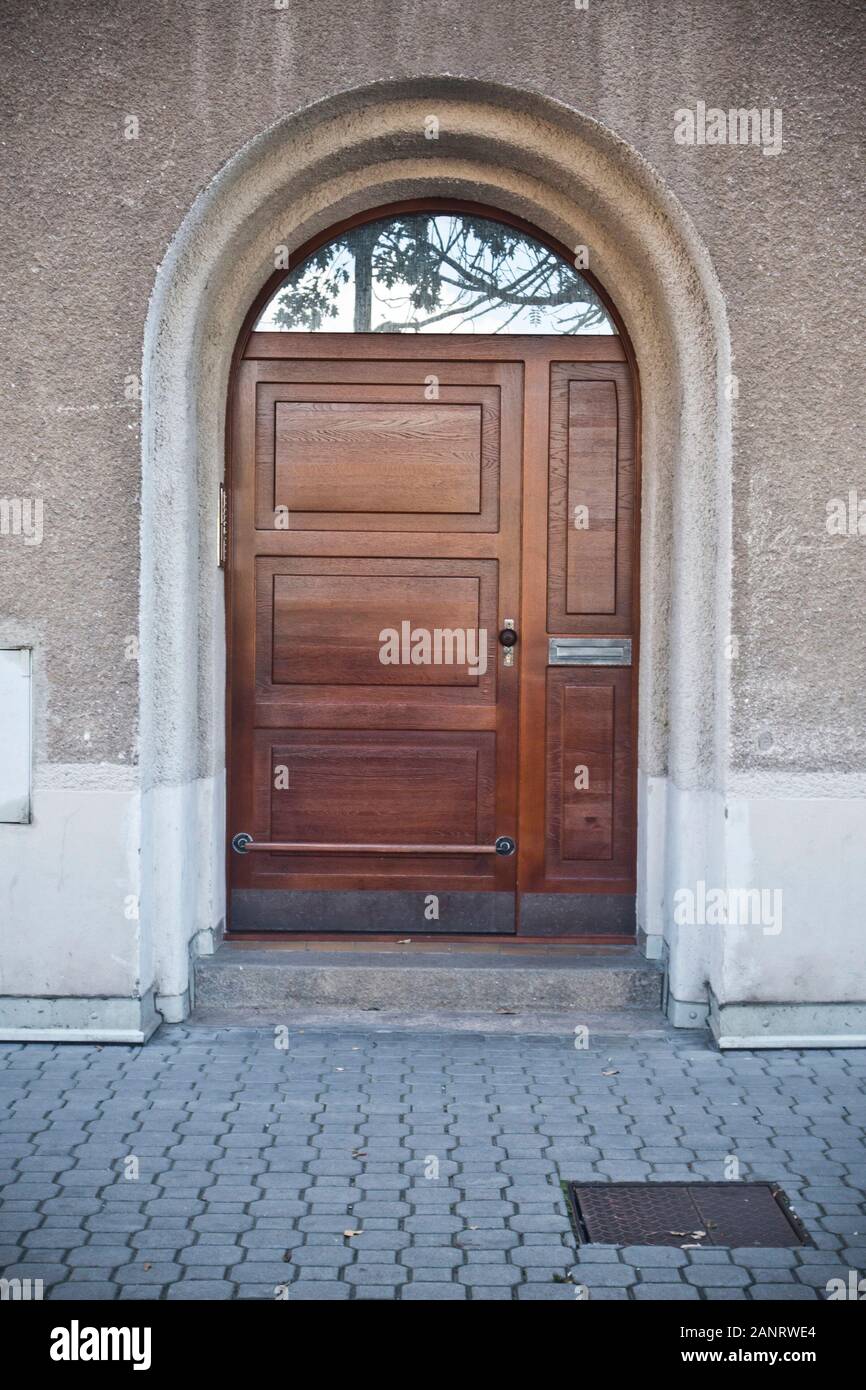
[
  {"x": 580, "y": 737},
  {"x": 577, "y": 818},
  {"x": 319, "y": 623},
  {"x": 426, "y": 791},
  {"x": 589, "y": 811},
  {"x": 592, "y": 490},
  {"x": 394, "y": 501},
  {"x": 361, "y": 454},
  {"x": 375, "y": 550},
  {"x": 366, "y": 457}
]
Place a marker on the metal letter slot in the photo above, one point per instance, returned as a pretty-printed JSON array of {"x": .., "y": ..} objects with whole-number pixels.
[{"x": 589, "y": 651}]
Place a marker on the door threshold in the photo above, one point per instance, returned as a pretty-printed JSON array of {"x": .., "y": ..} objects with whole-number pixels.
[{"x": 431, "y": 941}]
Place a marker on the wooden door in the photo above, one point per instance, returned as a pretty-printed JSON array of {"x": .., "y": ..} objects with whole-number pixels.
[
  {"x": 395, "y": 503},
  {"x": 577, "y": 831},
  {"x": 375, "y": 555}
]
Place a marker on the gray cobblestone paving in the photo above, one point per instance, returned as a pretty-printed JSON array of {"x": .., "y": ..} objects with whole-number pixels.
[{"x": 212, "y": 1164}]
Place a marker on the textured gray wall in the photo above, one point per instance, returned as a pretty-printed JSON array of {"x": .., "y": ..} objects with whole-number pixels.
[{"x": 89, "y": 216}]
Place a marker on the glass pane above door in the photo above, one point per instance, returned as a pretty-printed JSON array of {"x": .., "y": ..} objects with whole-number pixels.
[{"x": 435, "y": 273}]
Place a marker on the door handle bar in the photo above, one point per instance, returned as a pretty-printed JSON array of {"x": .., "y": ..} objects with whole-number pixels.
[{"x": 242, "y": 843}]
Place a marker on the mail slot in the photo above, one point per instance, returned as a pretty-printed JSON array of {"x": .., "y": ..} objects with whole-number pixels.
[{"x": 589, "y": 651}]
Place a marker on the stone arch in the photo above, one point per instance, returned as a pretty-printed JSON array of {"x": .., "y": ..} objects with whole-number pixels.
[{"x": 578, "y": 182}]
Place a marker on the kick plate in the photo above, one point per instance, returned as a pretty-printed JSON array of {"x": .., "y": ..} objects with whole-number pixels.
[{"x": 344, "y": 910}]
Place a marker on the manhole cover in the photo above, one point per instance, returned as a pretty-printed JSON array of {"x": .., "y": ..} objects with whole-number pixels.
[{"x": 679, "y": 1213}]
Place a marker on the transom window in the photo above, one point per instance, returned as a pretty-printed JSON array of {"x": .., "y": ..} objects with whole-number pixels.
[{"x": 432, "y": 272}]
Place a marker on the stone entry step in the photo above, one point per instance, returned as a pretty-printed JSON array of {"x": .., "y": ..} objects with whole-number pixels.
[{"x": 425, "y": 979}]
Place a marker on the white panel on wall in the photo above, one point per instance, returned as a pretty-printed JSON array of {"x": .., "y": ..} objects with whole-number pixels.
[{"x": 15, "y": 734}]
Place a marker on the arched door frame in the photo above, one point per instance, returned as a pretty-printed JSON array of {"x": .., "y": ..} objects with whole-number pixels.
[
  {"x": 565, "y": 175},
  {"x": 564, "y": 352}
]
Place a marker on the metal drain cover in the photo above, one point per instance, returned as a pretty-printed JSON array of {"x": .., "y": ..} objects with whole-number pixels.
[{"x": 680, "y": 1213}]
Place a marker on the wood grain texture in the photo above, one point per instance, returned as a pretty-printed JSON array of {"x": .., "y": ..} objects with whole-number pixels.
[
  {"x": 332, "y": 456},
  {"x": 505, "y": 347},
  {"x": 352, "y": 629},
  {"x": 584, "y": 733},
  {"x": 568, "y": 844},
  {"x": 589, "y": 817},
  {"x": 385, "y": 787},
  {"x": 347, "y": 446},
  {"x": 318, "y": 622},
  {"x": 592, "y": 482},
  {"x": 591, "y": 463}
]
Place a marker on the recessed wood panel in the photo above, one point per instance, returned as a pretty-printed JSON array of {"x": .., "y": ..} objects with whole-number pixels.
[
  {"x": 348, "y": 787},
  {"x": 589, "y": 822},
  {"x": 385, "y": 789},
  {"x": 378, "y": 453},
  {"x": 377, "y": 629},
  {"x": 591, "y": 515},
  {"x": 334, "y": 456},
  {"x": 318, "y": 622},
  {"x": 591, "y": 499},
  {"x": 585, "y": 736}
]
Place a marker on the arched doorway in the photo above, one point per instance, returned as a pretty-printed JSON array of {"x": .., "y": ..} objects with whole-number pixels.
[
  {"x": 432, "y": 587},
  {"x": 578, "y": 182}
]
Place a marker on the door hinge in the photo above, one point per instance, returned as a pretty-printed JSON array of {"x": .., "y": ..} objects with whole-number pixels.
[{"x": 222, "y": 528}]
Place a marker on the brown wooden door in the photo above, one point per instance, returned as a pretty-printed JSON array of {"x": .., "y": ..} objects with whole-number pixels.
[
  {"x": 394, "y": 503},
  {"x": 578, "y": 768}
]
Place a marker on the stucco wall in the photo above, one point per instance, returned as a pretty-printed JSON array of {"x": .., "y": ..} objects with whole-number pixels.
[{"x": 90, "y": 216}]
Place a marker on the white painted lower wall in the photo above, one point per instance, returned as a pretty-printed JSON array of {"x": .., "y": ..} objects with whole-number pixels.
[
  {"x": 802, "y": 981},
  {"x": 70, "y": 932},
  {"x": 797, "y": 976},
  {"x": 82, "y": 959},
  {"x": 183, "y": 849}
]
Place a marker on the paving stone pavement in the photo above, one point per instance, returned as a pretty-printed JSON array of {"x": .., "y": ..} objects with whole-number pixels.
[{"x": 214, "y": 1164}]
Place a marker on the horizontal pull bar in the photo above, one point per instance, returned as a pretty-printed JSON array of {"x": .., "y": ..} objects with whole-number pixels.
[
  {"x": 589, "y": 651},
  {"x": 244, "y": 844}
]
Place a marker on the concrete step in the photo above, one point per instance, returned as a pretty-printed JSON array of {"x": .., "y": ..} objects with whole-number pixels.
[
  {"x": 609, "y": 1024},
  {"x": 424, "y": 980}
]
